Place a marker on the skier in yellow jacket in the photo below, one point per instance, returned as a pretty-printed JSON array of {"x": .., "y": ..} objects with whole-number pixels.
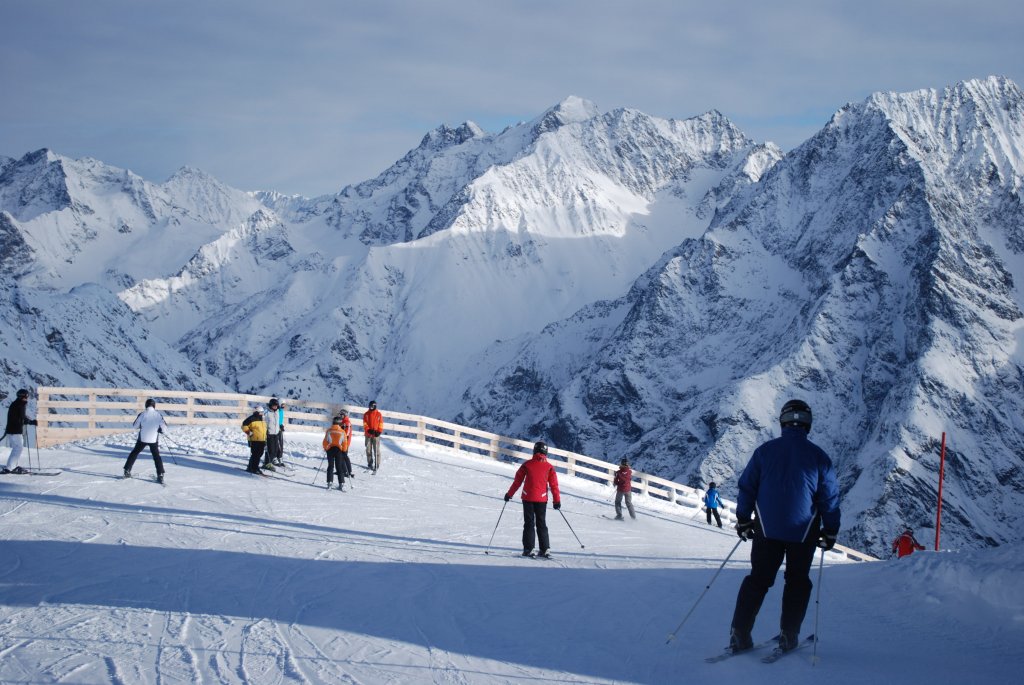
[{"x": 256, "y": 428}]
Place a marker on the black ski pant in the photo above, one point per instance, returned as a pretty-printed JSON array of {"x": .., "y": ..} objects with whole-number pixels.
[
  {"x": 337, "y": 460},
  {"x": 154, "y": 449},
  {"x": 273, "y": 449},
  {"x": 766, "y": 556},
  {"x": 535, "y": 517},
  {"x": 256, "y": 448},
  {"x": 717, "y": 517}
]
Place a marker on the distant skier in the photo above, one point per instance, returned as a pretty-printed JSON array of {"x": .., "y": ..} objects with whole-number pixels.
[
  {"x": 346, "y": 425},
  {"x": 712, "y": 502},
  {"x": 905, "y": 544},
  {"x": 623, "y": 482},
  {"x": 373, "y": 427},
  {"x": 792, "y": 486},
  {"x": 536, "y": 476},
  {"x": 256, "y": 429},
  {"x": 280, "y": 423},
  {"x": 272, "y": 418},
  {"x": 336, "y": 442},
  {"x": 151, "y": 424},
  {"x": 16, "y": 422}
]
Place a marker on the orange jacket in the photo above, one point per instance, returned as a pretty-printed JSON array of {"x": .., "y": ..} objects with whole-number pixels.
[
  {"x": 373, "y": 420},
  {"x": 338, "y": 436}
]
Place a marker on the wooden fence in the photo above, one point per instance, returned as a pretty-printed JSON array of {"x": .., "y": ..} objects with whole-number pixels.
[{"x": 67, "y": 414}]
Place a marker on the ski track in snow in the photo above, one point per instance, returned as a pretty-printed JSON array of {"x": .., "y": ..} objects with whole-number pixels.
[{"x": 225, "y": 578}]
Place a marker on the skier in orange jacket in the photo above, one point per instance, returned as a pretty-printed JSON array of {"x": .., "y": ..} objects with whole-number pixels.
[{"x": 373, "y": 426}]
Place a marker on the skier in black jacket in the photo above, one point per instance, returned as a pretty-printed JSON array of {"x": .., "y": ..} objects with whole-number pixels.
[{"x": 16, "y": 421}]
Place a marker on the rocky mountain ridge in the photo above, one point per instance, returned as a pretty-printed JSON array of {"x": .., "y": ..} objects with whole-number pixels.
[{"x": 619, "y": 284}]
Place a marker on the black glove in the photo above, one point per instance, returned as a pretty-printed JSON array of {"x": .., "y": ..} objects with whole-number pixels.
[
  {"x": 282, "y": 427},
  {"x": 827, "y": 539},
  {"x": 159, "y": 430},
  {"x": 558, "y": 505},
  {"x": 32, "y": 422},
  {"x": 507, "y": 497},
  {"x": 745, "y": 529}
]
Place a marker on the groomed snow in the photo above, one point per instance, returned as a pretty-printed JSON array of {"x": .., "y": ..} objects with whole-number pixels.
[{"x": 223, "y": 577}]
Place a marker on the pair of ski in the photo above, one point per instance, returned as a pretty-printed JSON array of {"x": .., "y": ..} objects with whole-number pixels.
[
  {"x": 776, "y": 654},
  {"x": 146, "y": 480},
  {"x": 534, "y": 555},
  {"x": 32, "y": 472}
]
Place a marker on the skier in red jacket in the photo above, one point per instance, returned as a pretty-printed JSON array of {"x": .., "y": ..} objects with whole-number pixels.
[
  {"x": 623, "y": 482},
  {"x": 538, "y": 474},
  {"x": 905, "y": 544}
]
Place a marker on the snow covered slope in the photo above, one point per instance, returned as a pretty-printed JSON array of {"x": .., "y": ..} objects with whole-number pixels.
[{"x": 229, "y": 578}]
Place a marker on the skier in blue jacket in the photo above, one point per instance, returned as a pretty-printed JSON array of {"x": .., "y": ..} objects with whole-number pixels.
[
  {"x": 791, "y": 486},
  {"x": 712, "y": 501}
]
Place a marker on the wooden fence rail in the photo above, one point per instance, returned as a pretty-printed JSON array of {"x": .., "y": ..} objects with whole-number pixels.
[{"x": 67, "y": 414}]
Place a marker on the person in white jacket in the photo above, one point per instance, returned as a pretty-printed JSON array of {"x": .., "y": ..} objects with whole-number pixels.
[{"x": 150, "y": 424}]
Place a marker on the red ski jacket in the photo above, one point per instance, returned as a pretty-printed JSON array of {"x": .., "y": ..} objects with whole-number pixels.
[
  {"x": 905, "y": 545},
  {"x": 624, "y": 479},
  {"x": 539, "y": 474}
]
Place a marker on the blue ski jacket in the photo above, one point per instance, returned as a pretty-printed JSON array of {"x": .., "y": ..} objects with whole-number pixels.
[
  {"x": 712, "y": 500},
  {"x": 790, "y": 482}
]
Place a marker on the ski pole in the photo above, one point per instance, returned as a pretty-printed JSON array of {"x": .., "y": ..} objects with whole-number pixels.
[
  {"x": 573, "y": 532},
  {"x": 817, "y": 608},
  {"x": 176, "y": 444},
  {"x": 672, "y": 635},
  {"x": 318, "y": 469},
  {"x": 488, "y": 549}
]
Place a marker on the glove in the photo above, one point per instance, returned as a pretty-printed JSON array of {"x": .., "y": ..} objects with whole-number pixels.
[
  {"x": 558, "y": 505},
  {"x": 827, "y": 539},
  {"x": 159, "y": 430},
  {"x": 282, "y": 427},
  {"x": 745, "y": 529},
  {"x": 32, "y": 422},
  {"x": 507, "y": 497}
]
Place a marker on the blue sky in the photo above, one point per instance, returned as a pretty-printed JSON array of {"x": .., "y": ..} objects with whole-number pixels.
[{"x": 310, "y": 95}]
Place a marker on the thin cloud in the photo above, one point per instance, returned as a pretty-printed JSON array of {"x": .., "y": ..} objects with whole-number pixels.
[{"x": 312, "y": 95}]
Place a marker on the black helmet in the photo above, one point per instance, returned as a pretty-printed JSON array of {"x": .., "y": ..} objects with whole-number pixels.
[
  {"x": 23, "y": 394},
  {"x": 796, "y": 413},
  {"x": 273, "y": 402},
  {"x": 343, "y": 412},
  {"x": 540, "y": 448},
  {"x": 711, "y": 485},
  {"x": 373, "y": 404},
  {"x": 150, "y": 403},
  {"x": 624, "y": 462},
  {"x": 337, "y": 420}
]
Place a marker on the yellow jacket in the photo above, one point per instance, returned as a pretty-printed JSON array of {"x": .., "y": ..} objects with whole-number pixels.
[{"x": 256, "y": 428}]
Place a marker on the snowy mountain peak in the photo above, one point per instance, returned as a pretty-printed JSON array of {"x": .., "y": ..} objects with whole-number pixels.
[
  {"x": 444, "y": 136},
  {"x": 571, "y": 110}
]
